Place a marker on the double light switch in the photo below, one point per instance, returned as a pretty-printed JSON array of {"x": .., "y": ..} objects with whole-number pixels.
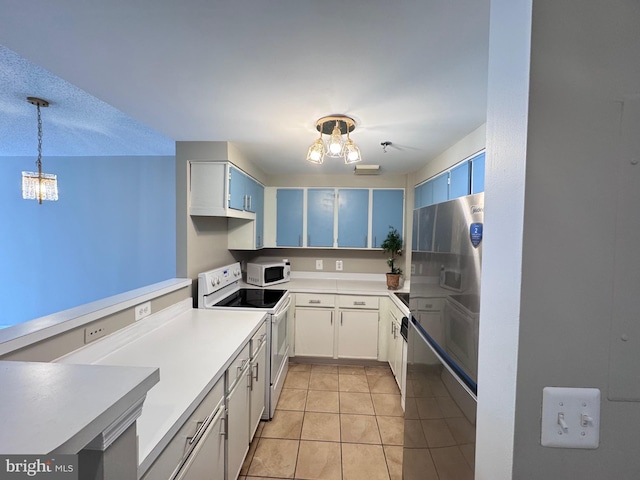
[{"x": 570, "y": 417}]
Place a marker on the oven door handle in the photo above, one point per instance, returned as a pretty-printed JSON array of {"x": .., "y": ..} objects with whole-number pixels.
[{"x": 282, "y": 310}]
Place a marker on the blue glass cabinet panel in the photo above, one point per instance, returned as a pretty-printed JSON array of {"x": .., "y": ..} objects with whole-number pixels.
[
  {"x": 289, "y": 211},
  {"x": 477, "y": 173},
  {"x": 387, "y": 212},
  {"x": 459, "y": 181},
  {"x": 353, "y": 218},
  {"x": 440, "y": 188},
  {"x": 237, "y": 182},
  {"x": 320, "y": 213}
]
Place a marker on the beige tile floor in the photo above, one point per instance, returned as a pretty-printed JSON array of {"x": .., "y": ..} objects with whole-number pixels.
[
  {"x": 332, "y": 422},
  {"x": 336, "y": 422}
]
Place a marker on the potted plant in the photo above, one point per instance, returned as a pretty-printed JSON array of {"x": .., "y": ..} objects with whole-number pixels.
[{"x": 392, "y": 245}]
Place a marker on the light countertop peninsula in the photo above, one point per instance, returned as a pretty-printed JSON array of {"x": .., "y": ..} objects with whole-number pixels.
[
  {"x": 191, "y": 347},
  {"x": 53, "y": 408}
]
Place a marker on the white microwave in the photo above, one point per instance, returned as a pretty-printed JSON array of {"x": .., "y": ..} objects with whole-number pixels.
[{"x": 264, "y": 274}]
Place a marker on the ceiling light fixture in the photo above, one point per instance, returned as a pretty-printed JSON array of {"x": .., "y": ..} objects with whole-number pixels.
[
  {"x": 37, "y": 185},
  {"x": 335, "y": 126}
]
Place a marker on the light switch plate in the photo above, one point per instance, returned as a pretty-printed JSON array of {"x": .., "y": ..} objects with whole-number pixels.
[{"x": 570, "y": 417}]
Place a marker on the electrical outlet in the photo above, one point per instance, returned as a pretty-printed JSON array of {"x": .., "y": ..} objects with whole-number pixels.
[
  {"x": 94, "y": 333},
  {"x": 318, "y": 264},
  {"x": 143, "y": 310},
  {"x": 339, "y": 265}
]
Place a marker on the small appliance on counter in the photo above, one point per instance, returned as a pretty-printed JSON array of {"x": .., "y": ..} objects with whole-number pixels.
[
  {"x": 263, "y": 274},
  {"x": 219, "y": 289}
]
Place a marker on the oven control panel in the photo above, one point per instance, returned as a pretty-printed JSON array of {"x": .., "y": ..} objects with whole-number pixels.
[{"x": 218, "y": 278}]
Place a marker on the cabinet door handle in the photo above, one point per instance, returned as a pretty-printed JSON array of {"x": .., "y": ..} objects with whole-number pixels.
[
  {"x": 223, "y": 433},
  {"x": 340, "y": 318},
  {"x": 359, "y": 303},
  {"x": 256, "y": 374},
  {"x": 242, "y": 365},
  {"x": 314, "y": 301},
  {"x": 250, "y": 202},
  {"x": 331, "y": 318},
  {"x": 375, "y": 241}
]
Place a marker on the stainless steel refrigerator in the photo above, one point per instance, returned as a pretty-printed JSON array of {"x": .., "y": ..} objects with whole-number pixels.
[{"x": 442, "y": 343}]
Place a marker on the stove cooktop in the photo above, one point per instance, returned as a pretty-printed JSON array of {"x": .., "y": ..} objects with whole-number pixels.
[{"x": 252, "y": 298}]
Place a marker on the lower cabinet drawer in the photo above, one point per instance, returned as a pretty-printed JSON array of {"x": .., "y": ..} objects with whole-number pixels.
[
  {"x": 358, "y": 301},
  {"x": 173, "y": 454},
  {"x": 315, "y": 300}
]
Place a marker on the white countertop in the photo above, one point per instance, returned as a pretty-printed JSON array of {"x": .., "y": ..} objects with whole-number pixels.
[
  {"x": 53, "y": 408},
  {"x": 342, "y": 283},
  {"x": 191, "y": 347},
  {"x": 27, "y": 333}
]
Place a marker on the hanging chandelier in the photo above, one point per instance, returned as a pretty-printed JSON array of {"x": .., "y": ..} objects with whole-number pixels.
[
  {"x": 37, "y": 185},
  {"x": 336, "y": 126}
]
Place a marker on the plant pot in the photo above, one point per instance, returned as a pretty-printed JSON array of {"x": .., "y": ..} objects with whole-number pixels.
[{"x": 393, "y": 281}]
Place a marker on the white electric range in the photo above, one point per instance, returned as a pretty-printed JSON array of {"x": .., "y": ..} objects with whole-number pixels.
[{"x": 219, "y": 289}]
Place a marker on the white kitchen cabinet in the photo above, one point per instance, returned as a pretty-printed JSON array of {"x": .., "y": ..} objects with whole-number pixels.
[
  {"x": 336, "y": 326},
  {"x": 238, "y": 412},
  {"x": 314, "y": 325},
  {"x": 358, "y": 327},
  {"x": 209, "y": 193},
  {"x": 358, "y": 334},
  {"x": 314, "y": 332},
  {"x": 395, "y": 346},
  {"x": 207, "y": 458},
  {"x": 182, "y": 447},
  {"x": 257, "y": 382},
  {"x": 218, "y": 189}
]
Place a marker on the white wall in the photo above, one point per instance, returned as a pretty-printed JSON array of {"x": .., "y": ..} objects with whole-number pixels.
[{"x": 557, "y": 191}]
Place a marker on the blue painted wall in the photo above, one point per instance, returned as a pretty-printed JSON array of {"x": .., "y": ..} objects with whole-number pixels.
[{"x": 112, "y": 230}]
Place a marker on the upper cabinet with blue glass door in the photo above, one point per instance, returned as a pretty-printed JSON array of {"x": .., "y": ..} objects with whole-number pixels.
[
  {"x": 320, "y": 217},
  {"x": 219, "y": 189},
  {"x": 387, "y": 212},
  {"x": 289, "y": 217},
  {"x": 463, "y": 179},
  {"x": 244, "y": 192},
  {"x": 337, "y": 217},
  {"x": 353, "y": 218}
]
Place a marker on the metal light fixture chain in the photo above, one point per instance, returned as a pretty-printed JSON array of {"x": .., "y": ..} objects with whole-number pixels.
[{"x": 39, "y": 161}]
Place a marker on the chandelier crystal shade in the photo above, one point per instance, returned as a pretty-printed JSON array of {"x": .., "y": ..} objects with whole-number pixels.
[
  {"x": 37, "y": 185},
  {"x": 335, "y": 126}
]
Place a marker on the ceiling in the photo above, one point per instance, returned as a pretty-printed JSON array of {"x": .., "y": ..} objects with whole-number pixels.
[{"x": 131, "y": 77}]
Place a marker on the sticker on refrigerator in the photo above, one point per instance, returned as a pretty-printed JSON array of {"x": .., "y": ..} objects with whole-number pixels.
[{"x": 475, "y": 233}]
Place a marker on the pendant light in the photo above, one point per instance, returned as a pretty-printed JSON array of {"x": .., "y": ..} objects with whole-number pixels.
[
  {"x": 37, "y": 185},
  {"x": 316, "y": 151},
  {"x": 336, "y": 126}
]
